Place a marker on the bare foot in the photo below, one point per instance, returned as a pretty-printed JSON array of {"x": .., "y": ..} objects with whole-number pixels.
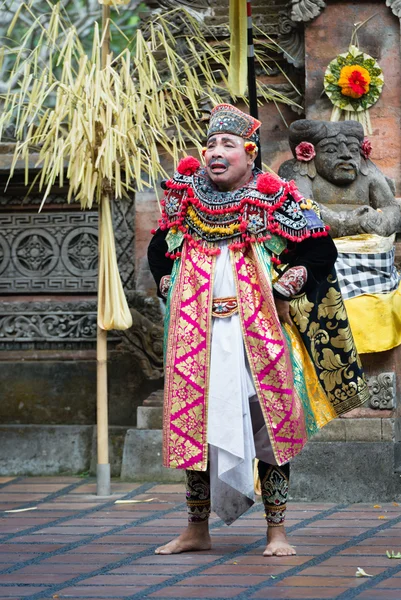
[
  {"x": 277, "y": 543},
  {"x": 195, "y": 537}
]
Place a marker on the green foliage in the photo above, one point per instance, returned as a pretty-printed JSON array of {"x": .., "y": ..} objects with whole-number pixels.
[{"x": 29, "y": 19}]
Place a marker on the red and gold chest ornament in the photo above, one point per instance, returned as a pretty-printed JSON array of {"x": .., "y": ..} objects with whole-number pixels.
[{"x": 205, "y": 216}]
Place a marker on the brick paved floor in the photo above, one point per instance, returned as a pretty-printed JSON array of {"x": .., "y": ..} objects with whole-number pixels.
[{"x": 74, "y": 545}]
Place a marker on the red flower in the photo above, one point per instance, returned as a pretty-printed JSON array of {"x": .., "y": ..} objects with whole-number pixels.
[
  {"x": 354, "y": 81},
  {"x": 366, "y": 148},
  {"x": 188, "y": 165},
  {"x": 305, "y": 151},
  {"x": 268, "y": 183}
]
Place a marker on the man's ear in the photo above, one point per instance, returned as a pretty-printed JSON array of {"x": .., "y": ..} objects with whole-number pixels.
[{"x": 252, "y": 157}]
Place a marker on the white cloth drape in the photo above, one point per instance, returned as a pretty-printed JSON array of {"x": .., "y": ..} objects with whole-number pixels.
[{"x": 231, "y": 426}]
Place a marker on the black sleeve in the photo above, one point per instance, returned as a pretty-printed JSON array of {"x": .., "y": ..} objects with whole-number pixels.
[
  {"x": 316, "y": 254},
  {"x": 159, "y": 264}
]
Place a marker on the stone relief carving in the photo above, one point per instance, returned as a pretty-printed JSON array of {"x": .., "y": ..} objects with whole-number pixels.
[
  {"x": 57, "y": 326},
  {"x": 288, "y": 90},
  {"x": 382, "y": 389},
  {"x": 58, "y": 251},
  {"x": 48, "y": 252},
  {"x": 395, "y": 6},
  {"x": 194, "y": 4},
  {"x": 71, "y": 325},
  {"x": 33, "y": 200},
  {"x": 144, "y": 341},
  {"x": 306, "y": 10},
  {"x": 291, "y": 40},
  {"x": 124, "y": 233},
  {"x": 51, "y": 324}
]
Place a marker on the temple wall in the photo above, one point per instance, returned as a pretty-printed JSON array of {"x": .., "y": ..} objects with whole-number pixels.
[{"x": 329, "y": 35}]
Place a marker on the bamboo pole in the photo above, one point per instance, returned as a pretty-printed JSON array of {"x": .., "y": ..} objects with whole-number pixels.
[{"x": 103, "y": 485}]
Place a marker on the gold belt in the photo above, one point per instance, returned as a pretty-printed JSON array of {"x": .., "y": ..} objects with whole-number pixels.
[{"x": 224, "y": 307}]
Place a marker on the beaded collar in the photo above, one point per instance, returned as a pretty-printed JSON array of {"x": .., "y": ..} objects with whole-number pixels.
[{"x": 205, "y": 216}]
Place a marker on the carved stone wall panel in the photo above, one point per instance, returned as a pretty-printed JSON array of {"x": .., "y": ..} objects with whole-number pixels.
[
  {"x": 124, "y": 232},
  {"x": 41, "y": 253},
  {"x": 306, "y": 10},
  {"x": 35, "y": 200},
  {"x": 291, "y": 40},
  {"x": 51, "y": 324},
  {"x": 395, "y": 6},
  {"x": 71, "y": 324},
  {"x": 382, "y": 388},
  {"x": 57, "y": 252}
]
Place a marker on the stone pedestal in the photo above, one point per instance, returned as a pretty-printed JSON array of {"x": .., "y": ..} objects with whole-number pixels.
[
  {"x": 150, "y": 415},
  {"x": 142, "y": 455}
]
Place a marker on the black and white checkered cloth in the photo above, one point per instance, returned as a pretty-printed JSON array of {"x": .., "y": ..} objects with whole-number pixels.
[{"x": 367, "y": 273}]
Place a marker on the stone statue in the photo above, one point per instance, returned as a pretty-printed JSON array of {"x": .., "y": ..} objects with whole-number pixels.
[{"x": 332, "y": 167}]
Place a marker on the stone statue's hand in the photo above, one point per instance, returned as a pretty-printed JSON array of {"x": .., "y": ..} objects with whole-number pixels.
[
  {"x": 344, "y": 222},
  {"x": 374, "y": 221}
]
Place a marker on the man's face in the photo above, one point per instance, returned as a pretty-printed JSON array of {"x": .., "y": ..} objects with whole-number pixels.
[
  {"x": 228, "y": 164},
  {"x": 338, "y": 159}
]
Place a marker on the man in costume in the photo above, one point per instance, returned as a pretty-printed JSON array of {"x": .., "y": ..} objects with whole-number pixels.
[{"x": 240, "y": 382}]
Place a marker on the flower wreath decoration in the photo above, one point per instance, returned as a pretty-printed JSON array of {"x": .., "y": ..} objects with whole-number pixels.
[{"x": 353, "y": 81}]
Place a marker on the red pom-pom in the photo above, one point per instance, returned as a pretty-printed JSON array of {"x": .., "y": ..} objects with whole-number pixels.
[
  {"x": 268, "y": 183},
  {"x": 188, "y": 165}
]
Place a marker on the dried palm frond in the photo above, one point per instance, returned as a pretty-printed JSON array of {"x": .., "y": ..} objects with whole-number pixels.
[
  {"x": 106, "y": 123},
  {"x": 104, "y": 126}
]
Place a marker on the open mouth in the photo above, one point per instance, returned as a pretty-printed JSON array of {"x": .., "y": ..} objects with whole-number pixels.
[{"x": 218, "y": 168}]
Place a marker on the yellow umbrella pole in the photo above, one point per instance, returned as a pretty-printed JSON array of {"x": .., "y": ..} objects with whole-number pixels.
[{"x": 103, "y": 487}]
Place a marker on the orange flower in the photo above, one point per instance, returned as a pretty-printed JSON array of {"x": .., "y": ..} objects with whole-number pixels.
[{"x": 354, "y": 81}]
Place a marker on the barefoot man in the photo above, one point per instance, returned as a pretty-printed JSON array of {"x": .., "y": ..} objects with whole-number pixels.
[{"x": 239, "y": 382}]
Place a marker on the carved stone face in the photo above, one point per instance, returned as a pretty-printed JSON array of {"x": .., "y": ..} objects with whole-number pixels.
[{"x": 338, "y": 159}]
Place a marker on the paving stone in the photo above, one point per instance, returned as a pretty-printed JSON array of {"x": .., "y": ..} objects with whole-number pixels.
[
  {"x": 43, "y": 578},
  {"x": 381, "y": 594},
  {"x": 127, "y": 579},
  {"x": 394, "y": 583},
  {"x": 322, "y": 581},
  {"x": 105, "y": 563},
  {"x": 20, "y": 591},
  {"x": 99, "y": 591},
  {"x": 297, "y": 593},
  {"x": 177, "y": 591}
]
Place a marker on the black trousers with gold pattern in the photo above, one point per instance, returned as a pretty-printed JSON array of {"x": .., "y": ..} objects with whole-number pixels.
[{"x": 274, "y": 485}]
